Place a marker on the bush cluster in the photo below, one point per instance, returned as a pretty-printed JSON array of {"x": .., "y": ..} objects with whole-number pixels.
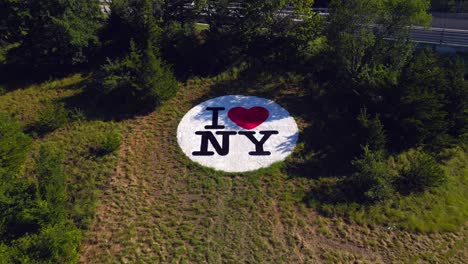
[
  {"x": 53, "y": 116},
  {"x": 377, "y": 177},
  {"x": 139, "y": 80},
  {"x": 418, "y": 171},
  {"x": 33, "y": 221},
  {"x": 110, "y": 141}
]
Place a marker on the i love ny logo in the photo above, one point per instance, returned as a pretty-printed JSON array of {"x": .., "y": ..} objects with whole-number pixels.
[{"x": 237, "y": 133}]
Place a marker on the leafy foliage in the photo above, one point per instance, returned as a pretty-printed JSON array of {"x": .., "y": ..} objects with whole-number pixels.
[
  {"x": 51, "y": 33},
  {"x": 136, "y": 20},
  {"x": 359, "y": 49}
]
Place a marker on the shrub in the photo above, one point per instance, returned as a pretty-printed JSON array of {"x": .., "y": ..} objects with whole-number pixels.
[
  {"x": 54, "y": 244},
  {"x": 111, "y": 142},
  {"x": 53, "y": 116},
  {"x": 418, "y": 171},
  {"x": 14, "y": 146},
  {"x": 51, "y": 184},
  {"x": 372, "y": 177},
  {"x": 77, "y": 115},
  {"x": 33, "y": 223}
]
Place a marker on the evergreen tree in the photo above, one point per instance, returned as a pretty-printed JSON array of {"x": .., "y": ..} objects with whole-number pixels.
[
  {"x": 371, "y": 132},
  {"x": 419, "y": 171},
  {"x": 372, "y": 177},
  {"x": 456, "y": 97},
  {"x": 422, "y": 113},
  {"x": 257, "y": 31},
  {"x": 139, "y": 79},
  {"x": 135, "y": 20}
]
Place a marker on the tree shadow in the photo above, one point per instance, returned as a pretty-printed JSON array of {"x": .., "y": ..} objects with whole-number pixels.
[
  {"x": 333, "y": 197},
  {"x": 97, "y": 107},
  {"x": 14, "y": 76}
]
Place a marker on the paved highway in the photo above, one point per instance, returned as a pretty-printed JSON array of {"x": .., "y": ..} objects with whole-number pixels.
[
  {"x": 445, "y": 31},
  {"x": 440, "y": 36}
]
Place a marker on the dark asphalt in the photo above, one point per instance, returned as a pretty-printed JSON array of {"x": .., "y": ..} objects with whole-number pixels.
[
  {"x": 449, "y": 30},
  {"x": 450, "y": 21}
]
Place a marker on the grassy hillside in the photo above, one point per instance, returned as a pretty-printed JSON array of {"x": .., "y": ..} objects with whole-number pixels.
[
  {"x": 155, "y": 205},
  {"x": 77, "y": 139}
]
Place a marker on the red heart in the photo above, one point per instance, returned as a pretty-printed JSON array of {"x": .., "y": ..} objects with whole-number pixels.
[{"x": 248, "y": 118}]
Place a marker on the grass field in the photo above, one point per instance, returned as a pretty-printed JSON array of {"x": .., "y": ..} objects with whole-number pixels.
[{"x": 155, "y": 205}]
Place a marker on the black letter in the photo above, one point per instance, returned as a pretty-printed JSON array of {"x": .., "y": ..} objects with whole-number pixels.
[
  {"x": 259, "y": 151},
  {"x": 214, "y": 120},
  {"x": 208, "y": 136}
]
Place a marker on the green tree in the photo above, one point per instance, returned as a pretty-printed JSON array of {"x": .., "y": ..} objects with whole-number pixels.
[
  {"x": 419, "y": 171},
  {"x": 13, "y": 15},
  {"x": 372, "y": 177},
  {"x": 135, "y": 20},
  {"x": 139, "y": 79},
  {"x": 33, "y": 220},
  {"x": 456, "y": 96},
  {"x": 368, "y": 40},
  {"x": 14, "y": 146},
  {"x": 250, "y": 17},
  {"x": 371, "y": 132},
  {"x": 50, "y": 33},
  {"x": 423, "y": 89},
  {"x": 260, "y": 30}
]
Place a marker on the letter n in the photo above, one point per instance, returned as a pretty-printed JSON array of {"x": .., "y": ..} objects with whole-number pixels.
[{"x": 208, "y": 137}]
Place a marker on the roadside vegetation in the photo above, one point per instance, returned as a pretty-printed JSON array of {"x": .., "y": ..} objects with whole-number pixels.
[{"x": 90, "y": 170}]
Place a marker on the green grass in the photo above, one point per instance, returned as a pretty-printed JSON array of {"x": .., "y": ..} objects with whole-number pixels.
[
  {"x": 442, "y": 209},
  {"x": 86, "y": 171},
  {"x": 154, "y": 205}
]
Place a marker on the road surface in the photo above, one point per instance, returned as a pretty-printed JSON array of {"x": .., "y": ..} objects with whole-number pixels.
[{"x": 447, "y": 30}]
